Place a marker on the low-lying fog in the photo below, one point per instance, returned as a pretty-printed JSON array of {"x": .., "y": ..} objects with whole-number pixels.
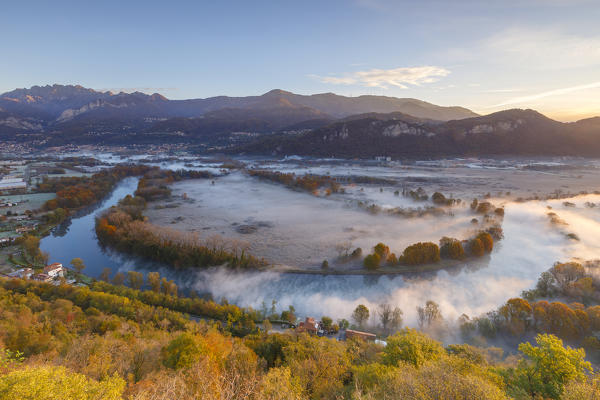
[{"x": 300, "y": 229}]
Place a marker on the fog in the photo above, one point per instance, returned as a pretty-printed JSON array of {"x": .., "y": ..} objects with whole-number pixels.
[{"x": 301, "y": 230}]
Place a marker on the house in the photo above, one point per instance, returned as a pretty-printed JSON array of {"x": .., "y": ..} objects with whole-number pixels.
[
  {"x": 363, "y": 335},
  {"x": 309, "y": 325},
  {"x": 23, "y": 229},
  {"x": 23, "y": 273},
  {"x": 54, "y": 270},
  {"x": 42, "y": 278}
]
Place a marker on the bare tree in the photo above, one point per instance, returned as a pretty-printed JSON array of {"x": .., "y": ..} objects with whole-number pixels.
[
  {"x": 385, "y": 315},
  {"x": 429, "y": 314}
]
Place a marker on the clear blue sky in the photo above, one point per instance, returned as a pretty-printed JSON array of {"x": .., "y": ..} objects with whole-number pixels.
[{"x": 485, "y": 55}]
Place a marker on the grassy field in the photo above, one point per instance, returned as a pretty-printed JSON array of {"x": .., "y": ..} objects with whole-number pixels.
[{"x": 26, "y": 201}]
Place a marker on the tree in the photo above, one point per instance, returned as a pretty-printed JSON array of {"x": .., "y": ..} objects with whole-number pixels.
[
  {"x": 326, "y": 323},
  {"x": 105, "y": 275},
  {"x": 267, "y": 325},
  {"x": 372, "y": 261},
  {"x": 154, "y": 281},
  {"x": 420, "y": 253},
  {"x": 78, "y": 264},
  {"x": 343, "y": 324},
  {"x": 135, "y": 279},
  {"x": 476, "y": 247},
  {"x": 382, "y": 251},
  {"x": 429, "y": 314},
  {"x": 360, "y": 315},
  {"x": 550, "y": 366},
  {"x": 487, "y": 241},
  {"x": 50, "y": 383},
  {"x": 181, "y": 352},
  {"x": 411, "y": 346},
  {"x": 451, "y": 248},
  {"x": 119, "y": 278},
  {"x": 396, "y": 322},
  {"x": 385, "y": 315}
]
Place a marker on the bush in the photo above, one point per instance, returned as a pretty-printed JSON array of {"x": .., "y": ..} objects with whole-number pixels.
[{"x": 421, "y": 253}]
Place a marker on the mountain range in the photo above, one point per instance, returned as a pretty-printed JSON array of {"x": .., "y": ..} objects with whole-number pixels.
[{"x": 284, "y": 123}]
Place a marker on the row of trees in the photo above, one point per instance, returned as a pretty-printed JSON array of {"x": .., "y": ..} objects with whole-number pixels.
[
  {"x": 309, "y": 183},
  {"x": 124, "y": 228},
  {"x": 575, "y": 322},
  {"x": 428, "y": 253}
]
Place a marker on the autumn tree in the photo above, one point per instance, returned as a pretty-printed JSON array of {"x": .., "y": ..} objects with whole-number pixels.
[
  {"x": 119, "y": 278},
  {"x": 411, "y": 346},
  {"x": 135, "y": 279},
  {"x": 360, "y": 315},
  {"x": 154, "y": 281},
  {"x": 78, "y": 264}
]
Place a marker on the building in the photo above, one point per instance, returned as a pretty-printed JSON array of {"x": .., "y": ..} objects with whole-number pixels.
[
  {"x": 363, "y": 335},
  {"x": 54, "y": 270},
  {"x": 309, "y": 325},
  {"x": 41, "y": 278},
  {"x": 23, "y": 273},
  {"x": 8, "y": 183}
]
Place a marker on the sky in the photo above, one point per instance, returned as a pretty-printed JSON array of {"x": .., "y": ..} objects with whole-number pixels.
[{"x": 484, "y": 55}]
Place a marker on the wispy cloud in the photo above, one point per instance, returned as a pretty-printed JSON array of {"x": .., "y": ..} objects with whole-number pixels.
[
  {"x": 384, "y": 78},
  {"x": 543, "y": 49},
  {"x": 549, "y": 93}
]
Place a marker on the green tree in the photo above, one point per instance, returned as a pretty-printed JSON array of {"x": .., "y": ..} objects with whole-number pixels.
[
  {"x": 411, "y": 346},
  {"x": 181, "y": 352},
  {"x": 360, "y": 315},
  {"x": 326, "y": 323},
  {"x": 78, "y": 264},
  {"x": 549, "y": 366},
  {"x": 372, "y": 261}
]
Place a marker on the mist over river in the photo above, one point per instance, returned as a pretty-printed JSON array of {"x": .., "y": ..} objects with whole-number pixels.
[{"x": 302, "y": 229}]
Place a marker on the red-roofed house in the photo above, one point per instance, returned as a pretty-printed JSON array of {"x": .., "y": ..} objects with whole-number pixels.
[{"x": 54, "y": 270}]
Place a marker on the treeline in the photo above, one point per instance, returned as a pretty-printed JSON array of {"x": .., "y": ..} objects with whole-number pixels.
[
  {"x": 59, "y": 342},
  {"x": 76, "y": 192},
  {"x": 575, "y": 318},
  {"x": 123, "y": 227},
  {"x": 429, "y": 253},
  {"x": 309, "y": 183}
]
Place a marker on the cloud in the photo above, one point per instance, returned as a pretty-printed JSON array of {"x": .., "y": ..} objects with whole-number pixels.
[
  {"x": 543, "y": 49},
  {"x": 549, "y": 93},
  {"x": 384, "y": 78}
]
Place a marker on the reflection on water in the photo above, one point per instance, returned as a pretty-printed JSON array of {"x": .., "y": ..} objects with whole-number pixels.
[{"x": 76, "y": 237}]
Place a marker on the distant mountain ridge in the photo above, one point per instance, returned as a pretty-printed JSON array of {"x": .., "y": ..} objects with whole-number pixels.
[
  {"x": 58, "y": 103},
  {"x": 510, "y": 132},
  {"x": 283, "y": 123}
]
